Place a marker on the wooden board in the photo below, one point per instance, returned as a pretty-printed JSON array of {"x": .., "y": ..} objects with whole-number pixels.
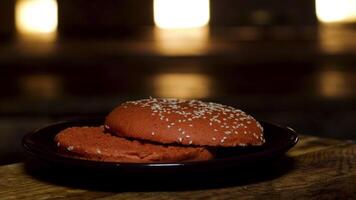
[{"x": 322, "y": 169}]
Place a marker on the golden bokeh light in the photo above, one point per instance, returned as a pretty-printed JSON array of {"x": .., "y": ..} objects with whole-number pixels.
[
  {"x": 181, "y": 13},
  {"x": 36, "y": 16},
  {"x": 334, "y": 11},
  {"x": 335, "y": 83},
  {"x": 46, "y": 86},
  {"x": 182, "y": 41},
  {"x": 181, "y": 26},
  {"x": 182, "y": 85}
]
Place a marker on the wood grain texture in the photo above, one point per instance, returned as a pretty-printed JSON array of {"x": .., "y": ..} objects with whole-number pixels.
[{"x": 322, "y": 169}]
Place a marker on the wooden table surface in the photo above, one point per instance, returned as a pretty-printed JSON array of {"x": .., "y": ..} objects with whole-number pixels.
[{"x": 322, "y": 169}]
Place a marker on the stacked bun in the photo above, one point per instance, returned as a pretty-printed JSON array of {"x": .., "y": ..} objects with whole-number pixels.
[{"x": 162, "y": 130}]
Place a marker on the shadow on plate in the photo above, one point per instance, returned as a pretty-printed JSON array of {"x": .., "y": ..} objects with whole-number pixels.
[{"x": 123, "y": 181}]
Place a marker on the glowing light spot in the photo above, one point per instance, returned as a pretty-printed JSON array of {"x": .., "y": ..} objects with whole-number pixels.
[
  {"x": 36, "y": 16},
  {"x": 334, "y": 83},
  {"x": 191, "y": 41},
  {"x": 181, "y": 85},
  {"x": 45, "y": 86},
  {"x": 181, "y": 13},
  {"x": 330, "y": 11}
]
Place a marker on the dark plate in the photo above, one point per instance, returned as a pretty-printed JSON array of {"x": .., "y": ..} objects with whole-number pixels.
[{"x": 40, "y": 145}]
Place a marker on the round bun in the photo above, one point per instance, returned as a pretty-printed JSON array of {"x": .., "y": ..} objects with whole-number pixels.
[
  {"x": 93, "y": 143},
  {"x": 186, "y": 122}
]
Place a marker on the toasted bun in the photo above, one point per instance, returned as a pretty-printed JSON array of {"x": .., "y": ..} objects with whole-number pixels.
[
  {"x": 184, "y": 122},
  {"x": 93, "y": 143}
]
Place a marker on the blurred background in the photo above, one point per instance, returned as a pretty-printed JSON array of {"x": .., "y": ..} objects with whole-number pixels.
[{"x": 291, "y": 62}]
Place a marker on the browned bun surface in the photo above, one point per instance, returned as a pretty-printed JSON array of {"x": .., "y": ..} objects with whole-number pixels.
[
  {"x": 93, "y": 144},
  {"x": 186, "y": 122}
]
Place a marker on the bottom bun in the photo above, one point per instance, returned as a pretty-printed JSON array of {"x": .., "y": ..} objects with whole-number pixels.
[{"x": 93, "y": 143}]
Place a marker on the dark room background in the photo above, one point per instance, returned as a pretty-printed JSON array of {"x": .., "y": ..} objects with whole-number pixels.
[{"x": 291, "y": 62}]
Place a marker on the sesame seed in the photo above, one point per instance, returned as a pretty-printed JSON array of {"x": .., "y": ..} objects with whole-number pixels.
[
  {"x": 190, "y": 142},
  {"x": 153, "y": 133},
  {"x": 180, "y": 139},
  {"x": 98, "y": 151},
  {"x": 187, "y": 136},
  {"x": 214, "y": 138},
  {"x": 58, "y": 144},
  {"x": 70, "y": 148},
  {"x": 188, "y": 110}
]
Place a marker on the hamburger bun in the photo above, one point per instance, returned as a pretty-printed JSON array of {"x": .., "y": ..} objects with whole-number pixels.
[
  {"x": 92, "y": 143},
  {"x": 184, "y": 122}
]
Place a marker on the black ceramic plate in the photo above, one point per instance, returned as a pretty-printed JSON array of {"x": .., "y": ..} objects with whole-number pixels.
[{"x": 40, "y": 145}]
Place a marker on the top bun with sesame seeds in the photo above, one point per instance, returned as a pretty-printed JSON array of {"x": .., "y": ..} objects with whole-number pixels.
[{"x": 185, "y": 122}]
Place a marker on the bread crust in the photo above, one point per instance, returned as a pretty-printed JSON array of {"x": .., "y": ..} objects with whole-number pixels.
[
  {"x": 185, "y": 122},
  {"x": 93, "y": 143}
]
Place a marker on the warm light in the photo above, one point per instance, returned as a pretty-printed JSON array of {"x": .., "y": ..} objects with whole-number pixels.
[
  {"x": 181, "y": 85},
  {"x": 41, "y": 86},
  {"x": 36, "y": 16},
  {"x": 181, "y": 13},
  {"x": 182, "y": 41},
  {"x": 334, "y": 83},
  {"x": 336, "y": 10}
]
